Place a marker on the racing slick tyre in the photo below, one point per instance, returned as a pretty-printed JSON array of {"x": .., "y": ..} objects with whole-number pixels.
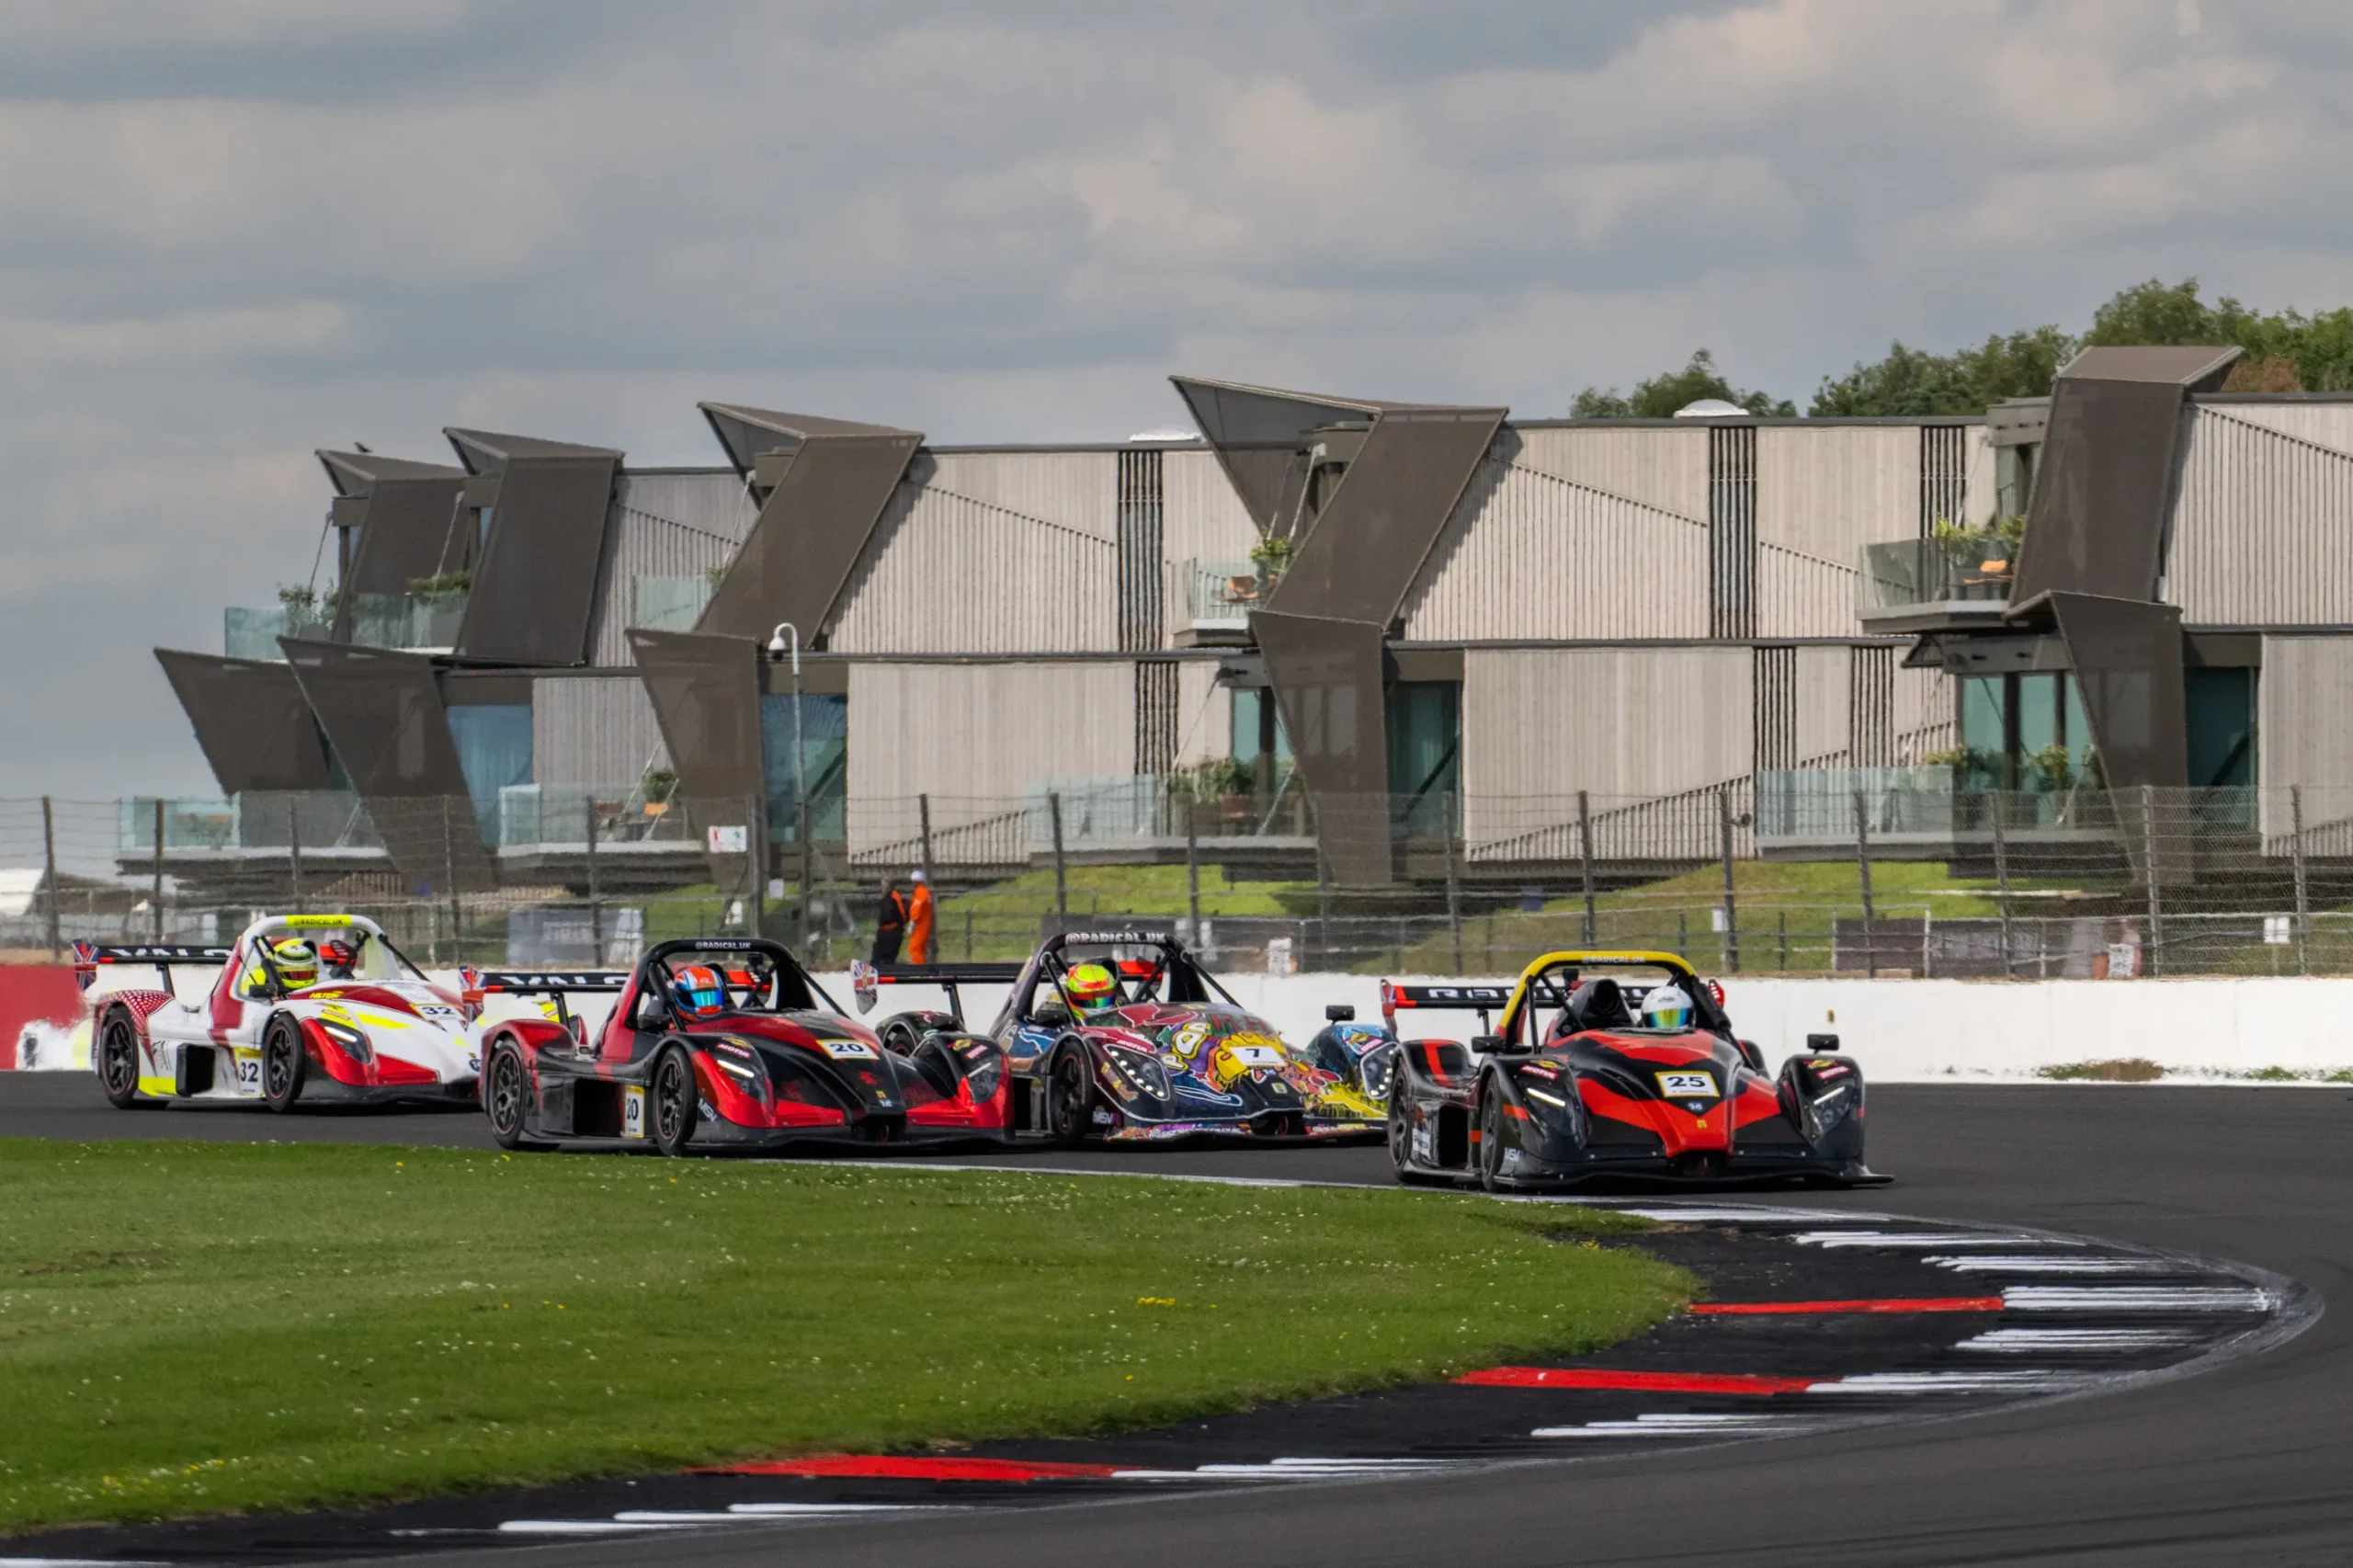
[
  {"x": 898, "y": 1038},
  {"x": 1491, "y": 1138},
  {"x": 505, "y": 1095},
  {"x": 674, "y": 1097},
  {"x": 119, "y": 1059},
  {"x": 284, "y": 1063},
  {"x": 1070, "y": 1098}
]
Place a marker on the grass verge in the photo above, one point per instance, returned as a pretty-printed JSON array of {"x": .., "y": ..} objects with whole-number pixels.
[
  {"x": 2124, "y": 1070},
  {"x": 190, "y": 1327}
]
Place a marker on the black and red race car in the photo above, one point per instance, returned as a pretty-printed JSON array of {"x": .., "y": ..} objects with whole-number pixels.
[
  {"x": 1579, "y": 1079},
  {"x": 718, "y": 1043}
]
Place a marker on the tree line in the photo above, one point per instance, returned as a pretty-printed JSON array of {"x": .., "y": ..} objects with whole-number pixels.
[{"x": 2283, "y": 351}]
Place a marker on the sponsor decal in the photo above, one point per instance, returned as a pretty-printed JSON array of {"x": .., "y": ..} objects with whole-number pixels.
[
  {"x": 1187, "y": 1038},
  {"x": 1422, "y": 1144},
  {"x": 1685, "y": 1085},
  {"x": 298, "y": 922},
  {"x": 632, "y": 1111}
]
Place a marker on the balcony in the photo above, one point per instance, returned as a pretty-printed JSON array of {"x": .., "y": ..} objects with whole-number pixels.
[
  {"x": 1219, "y": 598},
  {"x": 668, "y": 604},
  {"x": 1933, "y": 584},
  {"x": 421, "y": 623}
]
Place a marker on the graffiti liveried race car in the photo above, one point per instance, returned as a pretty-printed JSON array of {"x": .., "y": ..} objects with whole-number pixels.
[
  {"x": 718, "y": 1043},
  {"x": 302, "y": 1008},
  {"x": 1164, "y": 1051},
  {"x": 1581, "y": 1077}
]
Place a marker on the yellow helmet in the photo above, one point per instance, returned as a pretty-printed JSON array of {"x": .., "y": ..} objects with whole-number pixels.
[
  {"x": 1091, "y": 986},
  {"x": 296, "y": 961}
]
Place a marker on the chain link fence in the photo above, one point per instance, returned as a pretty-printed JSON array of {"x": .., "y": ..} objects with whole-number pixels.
[{"x": 1889, "y": 871}]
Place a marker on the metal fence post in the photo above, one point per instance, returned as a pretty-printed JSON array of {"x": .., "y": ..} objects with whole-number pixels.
[
  {"x": 923, "y": 806},
  {"x": 1584, "y": 852},
  {"x": 1863, "y": 866},
  {"x": 294, "y": 853},
  {"x": 1323, "y": 895},
  {"x": 756, "y": 862},
  {"x": 2149, "y": 868},
  {"x": 2002, "y": 875},
  {"x": 450, "y": 872},
  {"x": 1453, "y": 889},
  {"x": 49, "y": 873},
  {"x": 1731, "y": 944},
  {"x": 2304, "y": 889},
  {"x": 596, "y": 903},
  {"x": 1062, "y": 889},
  {"x": 1193, "y": 871},
  {"x": 156, "y": 895}
]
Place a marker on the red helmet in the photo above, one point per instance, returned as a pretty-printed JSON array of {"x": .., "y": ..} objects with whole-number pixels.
[{"x": 698, "y": 990}]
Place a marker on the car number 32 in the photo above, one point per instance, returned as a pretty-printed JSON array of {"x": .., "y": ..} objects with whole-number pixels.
[{"x": 249, "y": 1071}]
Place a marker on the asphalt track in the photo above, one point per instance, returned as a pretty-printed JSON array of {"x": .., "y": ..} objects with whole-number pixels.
[{"x": 2249, "y": 1463}]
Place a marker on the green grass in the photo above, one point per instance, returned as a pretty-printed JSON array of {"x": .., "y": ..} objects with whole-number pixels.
[
  {"x": 1004, "y": 917},
  {"x": 191, "y": 1328},
  {"x": 2124, "y": 1070}
]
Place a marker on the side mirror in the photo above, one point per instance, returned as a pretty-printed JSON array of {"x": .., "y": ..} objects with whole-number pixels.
[
  {"x": 1340, "y": 1013},
  {"x": 1487, "y": 1044},
  {"x": 650, "y": 1012},
  {"x": 1821, "y": 1044}
]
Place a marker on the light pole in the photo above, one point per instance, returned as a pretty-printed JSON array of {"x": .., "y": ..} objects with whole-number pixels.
[{"x": 779, "y": 645}]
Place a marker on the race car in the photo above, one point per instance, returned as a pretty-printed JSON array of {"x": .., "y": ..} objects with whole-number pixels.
[
  {"x": 1121, "y": 1035},
  {"x": 718, "y": 1043},
  {"x": 302, "y": 1008},
  {"x": 1614, "y": 1064}
]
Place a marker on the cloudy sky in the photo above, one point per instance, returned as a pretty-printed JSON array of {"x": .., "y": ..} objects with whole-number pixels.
[{"x": 234, "y": 231}]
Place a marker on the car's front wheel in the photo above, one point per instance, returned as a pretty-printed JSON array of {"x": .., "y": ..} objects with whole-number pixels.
[
  {"x": 675, "y": 1099},
  {"x": 119, "y": 1059},
  {"x": 1491, "y": 1138},
  {"x": 1070, "y": 1098},
  {"x": 506, "y": 1094},
  {"x": 284, "y": 1063}
]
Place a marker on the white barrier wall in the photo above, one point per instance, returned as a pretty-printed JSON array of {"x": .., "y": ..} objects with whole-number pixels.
[{"x": 1909, "y": 1031}]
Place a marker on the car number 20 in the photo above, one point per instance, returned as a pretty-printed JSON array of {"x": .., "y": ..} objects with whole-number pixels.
[{"x": 633, "y": 1112}]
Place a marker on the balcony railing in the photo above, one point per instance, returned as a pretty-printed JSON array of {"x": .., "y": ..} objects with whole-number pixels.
[
  {"x": 668, "y": 604},
  {"x": 413, "y": 622},
  {"x": 1909, "y": 576},
  {"x": 254, "y": 634},
  {"x": 1220, "y": 595}
]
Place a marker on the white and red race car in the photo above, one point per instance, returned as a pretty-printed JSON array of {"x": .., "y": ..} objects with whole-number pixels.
[{"x": 365, "y": 1026}]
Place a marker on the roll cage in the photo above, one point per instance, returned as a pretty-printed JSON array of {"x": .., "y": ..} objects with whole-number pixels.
[
  {"x": 1147, "y": 966},
  {"x": 1579, "y": 999}
]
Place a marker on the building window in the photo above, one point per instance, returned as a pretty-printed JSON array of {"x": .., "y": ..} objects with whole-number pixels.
[
  {"x": 1155, "y": 716},
  {"x": 1142, "y": 614},
  {"x": 2220, "y": 711},
  {"x": 825, "y": 765},
  {"x": 2028, "y": 733},
  {"x": 2013, "y": 481},
  {"x": 1731, "y": 530},
  {"x": 1944, "y": 475},
  {"x": 493, "y": 742},
  {"x": 1425, "y": 725}
]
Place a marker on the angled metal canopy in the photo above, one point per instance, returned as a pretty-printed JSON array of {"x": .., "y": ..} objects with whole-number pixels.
[
  {"x": 536, "y": 564},
  {"x": 706, "y": 695},
  {"x": 823, "y": 485},
  {"x": 384, "y": 714},
  {"x": 1363, "y": 488},
  {"x": 404, "y": 520},
  {"x": 250, "y": 720}
]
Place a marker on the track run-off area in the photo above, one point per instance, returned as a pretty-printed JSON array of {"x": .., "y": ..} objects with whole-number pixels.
[{"x": 2065, "y": 1278}]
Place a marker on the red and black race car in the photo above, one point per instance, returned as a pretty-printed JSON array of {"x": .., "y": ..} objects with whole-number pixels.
[
  {"x": 715, "y": 1043},
  {"x": 1610, "y": 1065}
]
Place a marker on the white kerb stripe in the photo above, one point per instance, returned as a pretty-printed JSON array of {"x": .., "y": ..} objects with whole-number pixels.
[{"x": 2136, "y": 1299}]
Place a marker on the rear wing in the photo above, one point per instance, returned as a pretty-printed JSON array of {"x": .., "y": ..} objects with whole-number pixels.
[
  {"x": 547, "y": 982},
  {"x": 88, "y": 955},
  {"x": 1480, "y": 999},
  {"x": 867, "y": 979}
]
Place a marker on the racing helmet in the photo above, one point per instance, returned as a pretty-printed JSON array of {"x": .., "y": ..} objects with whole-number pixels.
[
  {"x": 1667, "y": 1007},
  {"x": 296, "y": 961},
  {"x": 337, "y": 957},
  {"x": 698, "y": 990},
  {"x": 1091, "y": 987}
]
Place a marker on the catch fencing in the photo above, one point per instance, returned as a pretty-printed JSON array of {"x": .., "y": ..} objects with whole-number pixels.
[{"x": 1892, "y": 871}]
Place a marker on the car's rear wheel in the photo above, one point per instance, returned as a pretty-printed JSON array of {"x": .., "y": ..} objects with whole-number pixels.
[
  {"x": 284, "y": 1063},
  {"x": 1491, "y": 1140},
  {"x": 675, "y": 1099},
  {"x": 119, "y": 1059},
  {"x": 506, "y": 1094},
  {"x": 1070, "y": 1100}
]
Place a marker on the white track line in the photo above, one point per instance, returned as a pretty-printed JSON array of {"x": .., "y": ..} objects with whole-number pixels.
[
  {"x": 1984, "y": 1264},
  {"x": 2136, "y": 1299},
  {"x": 2037, "y": 1341},
  {"x": 1910, "y": 1239},
  {"x": 1950, "y": 1382},
  {"x": 1761, "y": 1214},
  {"x": 1676, "y": 1426}
]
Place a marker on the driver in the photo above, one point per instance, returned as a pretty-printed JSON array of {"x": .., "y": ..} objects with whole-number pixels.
[
  {"x": 1666, "y": 1008},
  {"x": 1091, "y": 988},
  {"x": 698, "y": 993},
  {"x": 296, "y": 961}
]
